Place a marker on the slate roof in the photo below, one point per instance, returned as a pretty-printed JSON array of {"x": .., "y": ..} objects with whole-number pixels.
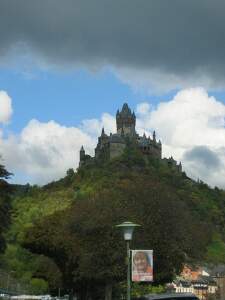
[{"x": 218, "y": 271}]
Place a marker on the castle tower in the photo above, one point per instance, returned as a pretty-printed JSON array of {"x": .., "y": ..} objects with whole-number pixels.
[
  {"x": 126, "y": 121},
  {"x": 154, "y": 137},
  {"x": 103, "y": 136},
  {"x": 82, "y": 156}
]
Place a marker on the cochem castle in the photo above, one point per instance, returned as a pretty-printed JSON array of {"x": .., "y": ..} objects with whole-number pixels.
[{"x": 113, "y": 145}]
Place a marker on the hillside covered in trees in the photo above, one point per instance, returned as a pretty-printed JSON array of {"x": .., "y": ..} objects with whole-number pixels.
[{"x": 63, "y": 234}]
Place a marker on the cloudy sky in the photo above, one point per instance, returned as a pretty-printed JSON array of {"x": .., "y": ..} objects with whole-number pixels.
[{"x": 67, "y": 66}]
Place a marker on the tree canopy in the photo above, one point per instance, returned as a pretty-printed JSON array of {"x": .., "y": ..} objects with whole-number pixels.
[
  {"x": 70, "y": 224},
  {"x": 5, "y": 193}
]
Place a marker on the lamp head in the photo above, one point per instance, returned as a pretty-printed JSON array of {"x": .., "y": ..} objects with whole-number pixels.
[{"x": 128, "y": 228}]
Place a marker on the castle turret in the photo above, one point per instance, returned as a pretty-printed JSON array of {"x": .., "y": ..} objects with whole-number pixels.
[
  {"x": 104, "y": 138},
  {"x": 180, "y": 167},
  {"x": 103, "y": 131},
  {"x": 154, "y": 136},
  {"x": 82, "y": 152},
  {"x": 126, "y": 121},
  {"x": 82, "y": 156}
]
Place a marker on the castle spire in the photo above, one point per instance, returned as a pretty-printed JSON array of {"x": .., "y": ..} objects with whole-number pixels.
[
  {"x": 154, "y": 136},
  {"x": 82, "y": 155},
  {"x": 125, "y": 107},
  {"x": 103, "y": 131}
]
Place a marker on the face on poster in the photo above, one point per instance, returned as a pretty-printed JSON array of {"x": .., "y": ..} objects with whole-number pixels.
[{"x": 142, "y": 265}]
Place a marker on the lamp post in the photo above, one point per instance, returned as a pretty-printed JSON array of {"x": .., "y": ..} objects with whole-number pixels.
[
  {"x": 9, "y": 280},
  {"x": 128, "y": 229}
]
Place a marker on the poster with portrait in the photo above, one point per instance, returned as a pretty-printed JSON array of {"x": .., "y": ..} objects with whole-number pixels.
[{"x": 142, "y": 265}]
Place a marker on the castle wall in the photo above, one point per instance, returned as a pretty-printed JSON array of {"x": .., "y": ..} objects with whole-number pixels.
[
  {"x": 102, "y": 151},
  {"x": 116, "y": 149},
  {"x": 126, "y": 130},
  {"x": 151, "y": 150},
  {"x": 156, "y": 151}
]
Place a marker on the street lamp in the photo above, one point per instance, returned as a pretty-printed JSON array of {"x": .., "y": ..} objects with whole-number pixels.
[{"x": 128, "y": 229}]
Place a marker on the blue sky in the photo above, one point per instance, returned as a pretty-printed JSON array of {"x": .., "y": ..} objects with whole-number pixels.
[
  {"x": 66, "y": 67},
  {"x": 68, "y": 98}
]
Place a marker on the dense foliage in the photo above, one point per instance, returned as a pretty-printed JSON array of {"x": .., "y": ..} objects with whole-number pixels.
[
  {"x": 64, "y": 233},
  {"x": 5, "y": 193}
]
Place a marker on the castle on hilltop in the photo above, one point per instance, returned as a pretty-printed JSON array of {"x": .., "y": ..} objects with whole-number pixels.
[{"x": 113, "y": 145}]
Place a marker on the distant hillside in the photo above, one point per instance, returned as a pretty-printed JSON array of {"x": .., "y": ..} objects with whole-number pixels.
[{"x": 68, "y": 225}]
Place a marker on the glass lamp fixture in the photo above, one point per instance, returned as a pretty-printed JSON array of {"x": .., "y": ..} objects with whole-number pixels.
[{"x": 128, "y": 229}]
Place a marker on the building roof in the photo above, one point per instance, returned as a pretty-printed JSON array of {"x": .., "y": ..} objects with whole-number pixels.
[
  {"x": 143, "y": 141},
  {"x": 208, "y": 279},
  {"x": 218, "y": 271},
  {"x": 125, "y": 112}
]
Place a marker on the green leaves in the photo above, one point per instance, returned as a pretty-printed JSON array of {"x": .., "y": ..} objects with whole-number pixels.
[
  {"x": 5, "y": 205},
  {"x": 71, "y": 222},
  {"x": 216, "y": 250}
]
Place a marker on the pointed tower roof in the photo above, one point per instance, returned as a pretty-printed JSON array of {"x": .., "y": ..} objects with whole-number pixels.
[
  {"x": 125, "y": 112},
  {"x": 82, "y": 148},
  {"x": 154, "y": 136},
  {"x": 126, "y": 109},
  {"x": 125, "y": 106},
  {"x": 103, "y": 134}
]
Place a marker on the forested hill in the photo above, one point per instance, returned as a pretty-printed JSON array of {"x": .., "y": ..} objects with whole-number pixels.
[{"x": 63, "y": 234}]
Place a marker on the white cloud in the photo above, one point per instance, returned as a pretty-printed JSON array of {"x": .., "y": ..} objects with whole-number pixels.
[
  {"x": 190, "y": 126},
  {"x": 143, "y": 108},
  {"x": 191, "y": 119},
  {"x": 94, "y": 126},
  {"x": 5, "y": 107},
  {"x": 44, "y": 151}
]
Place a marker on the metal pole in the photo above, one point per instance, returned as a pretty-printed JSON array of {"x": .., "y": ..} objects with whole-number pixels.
[
  {"x": 128, "y": 271},
  {"x": 7, "y": 285}
]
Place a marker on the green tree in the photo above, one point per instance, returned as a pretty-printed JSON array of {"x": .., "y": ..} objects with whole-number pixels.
[
  {"x": 5, "y": 193},
  {"x": 38, "y": 286},
  {"x": 69, "y": 225},
  {"x": 90, "y": 252}
]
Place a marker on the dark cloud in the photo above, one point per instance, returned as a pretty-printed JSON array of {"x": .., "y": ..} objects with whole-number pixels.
[
  {"x": 180, "y": 37},
  {"x": 203, "y": 158}
]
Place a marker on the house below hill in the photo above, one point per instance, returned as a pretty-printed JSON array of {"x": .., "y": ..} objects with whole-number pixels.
[{"x": 200, "y": 281}]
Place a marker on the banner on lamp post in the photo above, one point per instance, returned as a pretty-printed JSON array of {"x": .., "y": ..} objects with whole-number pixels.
[{"x": 142, "y": 265}]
